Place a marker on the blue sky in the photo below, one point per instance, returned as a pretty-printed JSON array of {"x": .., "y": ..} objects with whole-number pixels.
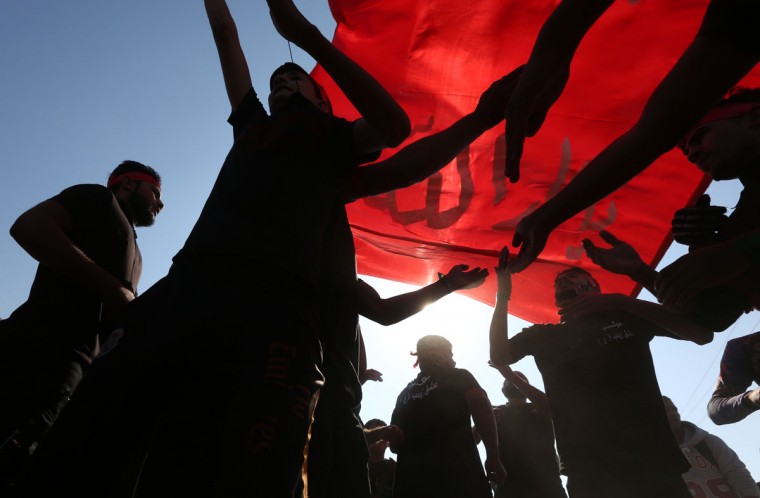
[{"x": 87, "y": 84}]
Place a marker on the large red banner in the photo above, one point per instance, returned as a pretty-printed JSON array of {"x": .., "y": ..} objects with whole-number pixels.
[{"x": 436, "y": 57}]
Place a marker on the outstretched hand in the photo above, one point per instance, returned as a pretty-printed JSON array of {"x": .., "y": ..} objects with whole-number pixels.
[
  {"x": 493, "y": 103},
  {"x": 698, "y": 225},
  {"x": 459, "y": 277},
  {"x": 528, "y": 107},
  {"x": 289, "y": 22},
  {"x": 530, "y": 236},
  {"x": 620, "y": 258},
  {"x": 370, "y": 374}
]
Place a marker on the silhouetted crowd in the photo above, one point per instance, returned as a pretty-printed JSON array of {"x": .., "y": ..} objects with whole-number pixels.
[{"x": 240, "y": 372}]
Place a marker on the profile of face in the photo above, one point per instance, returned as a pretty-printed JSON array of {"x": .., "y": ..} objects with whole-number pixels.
[
  {"x": 145, "y": 203},
  {"x": 723, "y": 149},
  {"x": 674, "y": 418},
  {"x": 287, "y": 83},
  {"x": 572, "y": 284}
]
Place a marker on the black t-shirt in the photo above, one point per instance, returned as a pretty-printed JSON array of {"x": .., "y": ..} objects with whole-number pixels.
[
  {"x": 602, "y": 388},
  {"x": 62, "y": 313},
  {"x": 339, "y": 320},
  {"x": 439, "y": 456},
  {"x": 526, "y": 447},
  {"x": 269, "y": 205},
  {"x": 102, "y": 232},
  {"x": 381, "y": 477}
]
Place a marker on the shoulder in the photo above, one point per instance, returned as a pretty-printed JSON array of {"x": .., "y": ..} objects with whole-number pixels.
[
  {"x": 249, "y": 109},
  {"x": 85, "y": 194}
]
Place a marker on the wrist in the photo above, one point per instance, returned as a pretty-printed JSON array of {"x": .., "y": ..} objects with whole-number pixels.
[
  {"x": 640, "y": 273},
  {"x": 503, "y": 296},
  {"x": 446, "y": 283}
]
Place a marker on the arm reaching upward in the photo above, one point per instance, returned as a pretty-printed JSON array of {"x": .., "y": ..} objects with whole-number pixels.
[
  {"x": 237, "y": 77},
  {"x": 498, "y": 336},
  {"x": 675, "y": 106},
  {"x": 546, "y": 73},
  {"x": 384, "y": 123}
]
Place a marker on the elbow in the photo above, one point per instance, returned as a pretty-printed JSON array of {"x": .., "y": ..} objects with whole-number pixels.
[
  {"x": 19, "y": 229},
  {"x": 704, "y": 338},
  {"x": 499, "y": 359}
]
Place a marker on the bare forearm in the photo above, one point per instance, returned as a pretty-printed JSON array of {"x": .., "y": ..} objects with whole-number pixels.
[
  {"x": 417, "y": 161},
  {"x": 498, "y": 336},
  {"x": 534, "y": 394},
  {"x": 237, "y": 78},
  {"x": 398, "y": 308},
  {"x": 645, "y": 277},
  {"x": 485, "y": 422},
  {"x": 565, "y": 28},
  {"x": 46, "y": 242},
  {"x": 369, "y": 97},
  {"x": 675, "y": 105},
  {"x": 672, "y": 322}
]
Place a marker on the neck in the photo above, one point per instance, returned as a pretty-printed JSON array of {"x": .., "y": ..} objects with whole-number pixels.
[{"x": 126, "y": 209}]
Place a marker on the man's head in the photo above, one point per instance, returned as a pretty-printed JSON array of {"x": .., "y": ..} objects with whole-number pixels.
[
  {"x": 434, "y": 351},
  {"x": 572, "y": 283},
  {"x": 139, "y": 187},
  {"x": 291, "y": 78},
  {"x": 376, "y": 449},
  {"x": 727, "y": 140},
  {"x": 510, "y": 391},
  {"x": 674, "y": 418}
]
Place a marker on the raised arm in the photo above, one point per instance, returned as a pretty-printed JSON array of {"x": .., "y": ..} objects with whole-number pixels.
[
  {"x": 546, "y": 73},
  {"x": 43, "y": 232},
  {"x": 237, "y": 77},
  {"x": 676, "y": 104},
  {"x": 370, "y": 305},
  {"x": 498, "y": 336},
  {"x": 424, "y": 157},
  {"x": 384, "y": 123}
]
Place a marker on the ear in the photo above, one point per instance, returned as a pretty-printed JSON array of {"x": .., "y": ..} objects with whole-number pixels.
[{"x": 126, "y": 187}]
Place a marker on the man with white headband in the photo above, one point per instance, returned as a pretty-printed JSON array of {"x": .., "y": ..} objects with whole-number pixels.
[{"x": 89, "y": 268}]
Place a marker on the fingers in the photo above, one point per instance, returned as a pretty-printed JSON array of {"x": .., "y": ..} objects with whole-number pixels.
[
  {"x": 515, "y": 138},
  {"x": 609, "y": 238},
  {"x": 503, "y": 260},
  {"x": 590, "y": 248}
]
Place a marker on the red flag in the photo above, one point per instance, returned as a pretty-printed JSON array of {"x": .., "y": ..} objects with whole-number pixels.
[{"x": 436, "y": 57}]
